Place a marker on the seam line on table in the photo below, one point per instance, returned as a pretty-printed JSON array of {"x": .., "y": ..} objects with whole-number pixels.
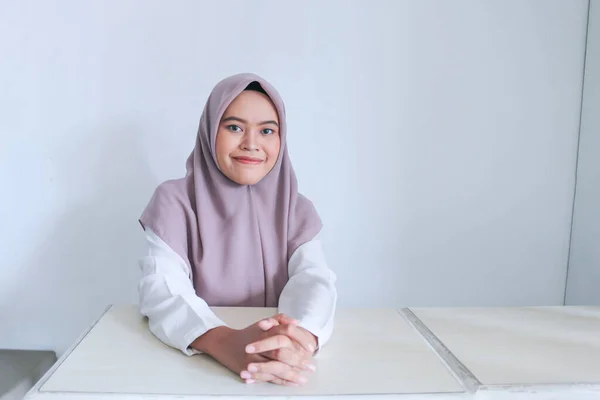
[{"x": 458, "y": 370}]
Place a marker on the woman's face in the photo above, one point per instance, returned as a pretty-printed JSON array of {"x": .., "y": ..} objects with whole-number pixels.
[{"x": 248, "y": 142}]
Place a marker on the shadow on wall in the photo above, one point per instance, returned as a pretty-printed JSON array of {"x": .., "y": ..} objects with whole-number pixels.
[{"x": 88, "y": 258}]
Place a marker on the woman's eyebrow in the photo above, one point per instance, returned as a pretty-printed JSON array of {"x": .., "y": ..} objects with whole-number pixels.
[{"x": 243, "y": 121}]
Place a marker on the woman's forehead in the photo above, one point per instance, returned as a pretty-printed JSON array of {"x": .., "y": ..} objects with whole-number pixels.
[{"x": 251, "y": 104}]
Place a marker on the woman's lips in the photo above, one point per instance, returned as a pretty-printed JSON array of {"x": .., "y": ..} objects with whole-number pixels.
[{"x": 248, "y": 160}]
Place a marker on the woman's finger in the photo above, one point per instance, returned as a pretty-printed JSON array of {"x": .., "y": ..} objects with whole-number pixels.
[
  {"x": 278, "y": 370},
  {"x": 263, "y": 377},
  {"x": 298, "y": 334},
  {"x": 268, "y": 344},
  {"x": 292, "y": 358},
  {"x": 267, "y": 324},
  {"x": 285, "y": 320},
  {"x": 256, "y": 376},
  {"x": 247, "y": 376},
  {"x": 278, "y": 381}
]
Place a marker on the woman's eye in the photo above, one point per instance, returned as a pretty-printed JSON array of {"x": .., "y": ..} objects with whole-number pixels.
[
  {"x": 267, "y": 131},
  {"x": 234, "y": 128}
]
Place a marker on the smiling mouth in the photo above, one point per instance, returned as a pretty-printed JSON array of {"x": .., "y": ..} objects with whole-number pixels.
[{"x": 248, "y": 160}]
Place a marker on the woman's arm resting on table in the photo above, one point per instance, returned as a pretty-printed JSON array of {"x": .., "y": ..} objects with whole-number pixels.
[
  {"x": 176, "y": 315},
  {"x": 310, "y": 295},
  {"x": 181, "y": 319}
]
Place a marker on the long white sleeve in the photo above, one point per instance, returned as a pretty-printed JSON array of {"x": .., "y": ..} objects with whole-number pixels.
[
  {"x": 176, "y": 315},
  {"x": 310, "y": 295}
]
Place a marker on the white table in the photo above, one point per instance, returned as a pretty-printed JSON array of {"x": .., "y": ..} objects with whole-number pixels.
[
  {"x": 520, "y": 352},
  {"x": 422, "y": 353},
  {"x": 373, "y": 352}
]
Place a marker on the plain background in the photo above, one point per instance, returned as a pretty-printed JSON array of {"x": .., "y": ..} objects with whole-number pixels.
[
  {"x": 584, "y": 267},
  {"x": 437, "y": 139}
]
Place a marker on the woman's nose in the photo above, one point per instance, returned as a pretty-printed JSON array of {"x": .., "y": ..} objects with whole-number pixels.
[{"x": 250, "y": 142}]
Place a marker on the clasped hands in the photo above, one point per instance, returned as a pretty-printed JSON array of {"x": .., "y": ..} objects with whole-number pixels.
[{"x": 274, "y": 350}]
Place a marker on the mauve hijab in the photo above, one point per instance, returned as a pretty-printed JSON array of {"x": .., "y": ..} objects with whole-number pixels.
[{"x": 237, "y": 239}]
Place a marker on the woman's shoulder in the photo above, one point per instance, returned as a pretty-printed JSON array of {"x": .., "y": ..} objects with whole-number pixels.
[
  {"x": 305, "y": 205},
  {"x": 171, "y": 192},
  {"x": 170, "y": 204}
]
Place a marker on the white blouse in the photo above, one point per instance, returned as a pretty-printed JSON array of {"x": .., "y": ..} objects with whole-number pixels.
[{"x": 177, "y": 316}]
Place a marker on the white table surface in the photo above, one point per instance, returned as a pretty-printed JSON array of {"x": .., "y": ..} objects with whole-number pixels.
[
  {"x": 534, "y": 350},
  {"x": 372, "y": 352}
]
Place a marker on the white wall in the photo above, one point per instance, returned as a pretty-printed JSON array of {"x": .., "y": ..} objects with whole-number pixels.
[
  {"x": 583, "y": 285},
  {"x": 436, "y": 138}
]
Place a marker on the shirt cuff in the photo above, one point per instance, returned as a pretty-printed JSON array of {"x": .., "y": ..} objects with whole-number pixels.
[{"x": 194, "y": 334}]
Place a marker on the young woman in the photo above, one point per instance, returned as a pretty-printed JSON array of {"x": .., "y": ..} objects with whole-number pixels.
[{"x": 235, "y": 232}]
